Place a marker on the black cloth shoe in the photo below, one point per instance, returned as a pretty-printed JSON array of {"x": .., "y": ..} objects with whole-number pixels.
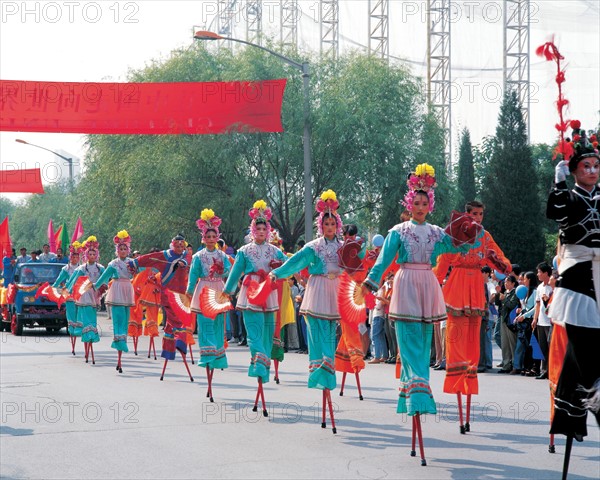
[{"x": 542, "y": 376}]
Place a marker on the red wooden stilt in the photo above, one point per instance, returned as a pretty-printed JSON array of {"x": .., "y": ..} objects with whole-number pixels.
[
  {"x": 135, "y": 344},
  {"x": 119, "y": 369},
  {"x": 92, "y": 350},
  {"x": 413, "y": 452},
  {"x": 186, "y": 366},
  {"x": 420, "y": 435},
  {"x": 460, "y": 413},
  {"x": 153, "y": 347},
  {"x": 150, "y": 346},
  {"x": 209, "y": 374},
  {"x": 86, "y": 347},
  {"x": 255, "y": 408},
  {"x": 467, "y": 423},
  {"x": 343, "y": 383},
  {"x": 551, "y": 447},
  {"x": 262, "y": 398},
  {"x": 276, "y": 362},
  {"x": 333, "y": 429},
  {"x": 162, "y": 375},
  {"x": 73, "y": 340},
  {"x": 360, "y": 397},
  {"x": 324, "y": 423},
  {"x": 191, "y": 354}
]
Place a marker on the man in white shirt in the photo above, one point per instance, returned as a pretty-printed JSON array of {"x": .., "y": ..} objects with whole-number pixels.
[
  {"x": 541, "y": 321},
  {"x": 47, "y": 255},
  {"x": 23, "y": 258}
]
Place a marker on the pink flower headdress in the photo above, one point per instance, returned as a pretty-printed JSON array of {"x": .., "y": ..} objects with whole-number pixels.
[
  {"x": 90, "y": 244},
  {"x": 327, "y": 204},
  {"x": 421, "y": 180},
  {"x": 208, "y": 221},
  {"x": 122, "y": 238},
  {"x": 260, "y": 213}
]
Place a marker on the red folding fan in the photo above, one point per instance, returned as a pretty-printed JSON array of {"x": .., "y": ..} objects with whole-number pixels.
[
  {"x": 213, "y": 303},
  {"x": 351, "y": 301},
  {"x": 82, "y": 285},
  {"x": 181, "y": 306},
  {"x": 258, "y": 293}
]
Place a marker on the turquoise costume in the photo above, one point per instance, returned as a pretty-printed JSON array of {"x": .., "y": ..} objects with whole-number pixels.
[
  {"x": 120, "y": 298},
  {"x": 89, "y": 301},
  {"x": 211, "y": 333},
  {"x": 255, "y": 262},
  {"x": 417, "y": 301},
  {"x": 74, "y": 325},
  {"x": 319, "y": 306}
]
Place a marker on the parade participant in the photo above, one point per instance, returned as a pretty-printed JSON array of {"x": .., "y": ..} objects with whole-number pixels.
[
  {"x": 576, "y": 300},
  {"x": 417, "y": 300},
  {"x": 88, "y": 301},
  {"x": 320, "y": 305},
  {"x": 173, "y": 268},
  {"x": 464, "y": 295},
  {"x": 120, "y": 296},
  {"x": 209, "y": 266},
  {"x": 255, "y": 260},
  {"x": 74, "y": 325}
]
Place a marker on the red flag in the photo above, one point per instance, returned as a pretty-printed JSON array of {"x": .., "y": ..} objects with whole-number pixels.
[
  {"x": 57, "y": 235},
  {"x": 51, "y": 240},
  {"x": 77, "y": 233},
  {"x": 21, "y": 181},
  {"x": 5, "y": 241},
  {"x": 141, "y": 108}
]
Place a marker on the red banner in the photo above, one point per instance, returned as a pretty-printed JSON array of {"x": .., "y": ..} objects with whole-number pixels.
[
  {"x": 141, "y": 108},
  {"x": 21, "y": 181},
  {"x": 5, "y": 241}
]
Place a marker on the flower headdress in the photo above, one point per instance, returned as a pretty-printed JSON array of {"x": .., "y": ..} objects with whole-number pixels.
[
  {"x": 91, "y": 243},
  {"x": 275, "y": 239},
  {"x": 208, "y": 221},
  {"x": 122, "y": 238},
  {"x": 580, "y": 147},
  {"x": 327, "y": 204},
  {"x": 75, "y": 248},
  {"x": 421, "y": 180},
  {"x": 260, "y": 213}
]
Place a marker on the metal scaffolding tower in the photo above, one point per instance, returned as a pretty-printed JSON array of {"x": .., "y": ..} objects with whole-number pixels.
[
  {"x": 438, "y": 69},
  {"x": 516, "y": 53},
  {"x": 253, "y": 17},
  {"x": 224, "y": 22},
  {"x": 379, "y": 32},
  {"x": 289, "y": 13},
  {"x": 329, "y": 19}
]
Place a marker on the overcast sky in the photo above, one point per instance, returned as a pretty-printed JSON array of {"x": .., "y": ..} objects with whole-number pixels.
[{"x": 101, "y": 41}]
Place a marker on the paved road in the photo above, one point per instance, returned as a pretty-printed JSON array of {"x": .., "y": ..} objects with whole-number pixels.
[{"x": 62, "y": 419}]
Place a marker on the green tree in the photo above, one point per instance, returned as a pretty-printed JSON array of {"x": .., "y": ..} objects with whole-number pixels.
[
  {"x": 513, "y": 213},
  {"x": 466, "y": 189}
]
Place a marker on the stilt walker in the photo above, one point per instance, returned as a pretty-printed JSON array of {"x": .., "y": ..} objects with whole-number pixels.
[
  {"x": 209, "y": 266},
  {"x": 86, "y": 297},
  {"x": 576, "y": 300},
  {"x": 120, "y": 296},
  {"x": 320, "y": 303},
  {"x": 74, "y": 325},
  {"x": 466, "y": 305},
  {"x": 149, "y": 304},
  {"x": 417, "y": 300},
  {"x": 255, "y": 260},
  {"x": 173, "y": 267}
]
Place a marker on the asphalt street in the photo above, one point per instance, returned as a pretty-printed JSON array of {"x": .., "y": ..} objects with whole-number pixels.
[{"x": 63, "y": 418}]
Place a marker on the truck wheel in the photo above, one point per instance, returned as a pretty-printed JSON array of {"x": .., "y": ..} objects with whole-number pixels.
[
  {"x": 53, "y": 329},
  {"x": 17, "y": 325}
]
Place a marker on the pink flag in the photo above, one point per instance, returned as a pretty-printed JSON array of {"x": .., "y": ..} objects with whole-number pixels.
[
  {"x": 51, "y": 239},
  {"x": 5, "y": 242},
  {"x": 78, "y": 232}
]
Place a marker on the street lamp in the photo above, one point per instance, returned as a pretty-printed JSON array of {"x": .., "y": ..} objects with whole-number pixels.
[
  {"x": 66, "y": 159},
  {"x": 303, "y": 67}
]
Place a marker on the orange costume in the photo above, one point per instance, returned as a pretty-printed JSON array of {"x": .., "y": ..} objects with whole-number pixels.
[{"x": 465, "y": 303}]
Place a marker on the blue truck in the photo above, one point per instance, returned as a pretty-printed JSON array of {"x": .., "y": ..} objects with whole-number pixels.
[{"x": 26, "y": 311}]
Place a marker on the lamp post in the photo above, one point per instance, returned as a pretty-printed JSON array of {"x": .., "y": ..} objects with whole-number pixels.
[
  {"x": 66, "y": 159},
  {"x": 303, "y": 67}
]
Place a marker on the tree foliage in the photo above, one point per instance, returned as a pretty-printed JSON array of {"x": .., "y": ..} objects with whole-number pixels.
[
  {"x": 513, "y": 213},
  {"x": 466, "y": 188}
]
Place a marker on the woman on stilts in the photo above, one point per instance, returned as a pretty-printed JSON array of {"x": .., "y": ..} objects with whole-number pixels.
[
  {"x": 417, "y": 300},
  {"x": 255, "y": 260},
  {"x": 465, "y": 303},
  {"x": 120, "y": 296},
  {"x": 88, "y": 302},
  {"x": 320, "y": 303},
  {"x": 74, "y": 325},
  {"x": 209, "y": 266}
]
